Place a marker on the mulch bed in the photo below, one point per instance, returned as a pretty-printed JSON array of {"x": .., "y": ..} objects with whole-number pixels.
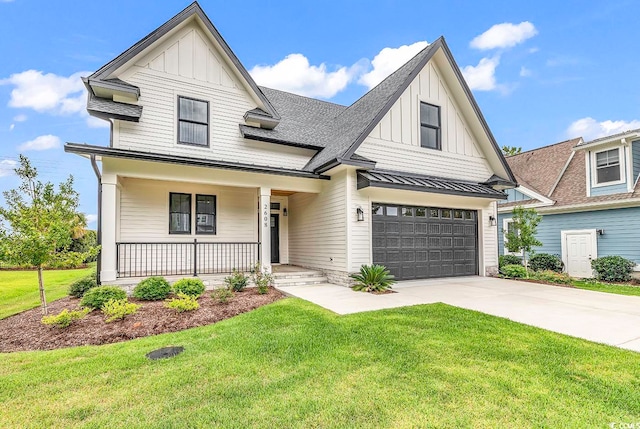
[{"x": 24, "y": 331}]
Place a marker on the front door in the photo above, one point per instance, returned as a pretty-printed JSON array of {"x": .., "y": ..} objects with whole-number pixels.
[
  {"x": 275, "y": 238},
  {"x": 580, "y": 249}
]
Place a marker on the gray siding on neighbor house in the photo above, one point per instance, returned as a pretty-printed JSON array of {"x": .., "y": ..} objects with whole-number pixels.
[
  {"x": 514, "y": 195},
  {"x": 621, "y": 231},
  {"x": 635, "y": 154}
]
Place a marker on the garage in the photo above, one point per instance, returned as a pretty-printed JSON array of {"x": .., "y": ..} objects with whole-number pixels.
[{"x": 416, "y": 242}]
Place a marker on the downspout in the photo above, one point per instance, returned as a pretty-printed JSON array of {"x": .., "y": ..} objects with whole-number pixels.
[{"x": 96, "y": 170}]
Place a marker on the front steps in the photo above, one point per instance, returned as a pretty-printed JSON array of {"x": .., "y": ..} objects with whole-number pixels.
[{"x": 299, "y": 278}]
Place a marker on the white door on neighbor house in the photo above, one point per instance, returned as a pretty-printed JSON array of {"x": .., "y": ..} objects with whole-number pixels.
[{"x": 578, "y": 249}]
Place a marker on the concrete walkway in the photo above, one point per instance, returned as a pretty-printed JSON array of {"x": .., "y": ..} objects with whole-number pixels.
[{"x": 596, "y": 316}]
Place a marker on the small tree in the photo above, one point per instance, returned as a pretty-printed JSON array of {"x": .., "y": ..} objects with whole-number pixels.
[
  {"x": 522, "y": 238},
  {"x": 38, "y": 223},
  {"x": 511, "y": 150}
]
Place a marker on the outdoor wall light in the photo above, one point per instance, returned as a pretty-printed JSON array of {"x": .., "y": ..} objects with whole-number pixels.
[
  {"x": 360, "y": 214},
  {"x": 492, "y": 221},
  {"x": 600, "y": 231},
  {"x": 285, "y": 212}
]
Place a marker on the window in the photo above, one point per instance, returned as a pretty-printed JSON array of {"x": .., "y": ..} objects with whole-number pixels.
[
  {"x": 275, "y": 206},
  {"x": 205, "y": 214},
  {"x": 392, "y": 211},
  {"x": 407, "y": 211},
  {"x": 508, "y": 226},
  {"x": 421, "y": 212},
  {"x": 179, "y": 213},
  {"x": 608, "y": 166},
  {"x": 193, "y": 121},
  {"x": 377, "y": 210},
  {"x": 429, "y": 126}
]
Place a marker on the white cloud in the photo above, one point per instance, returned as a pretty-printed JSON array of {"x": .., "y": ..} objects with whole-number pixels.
[
  {"x": 505, "y": 35},
  {"x": 295, "y": 74},
  {"x": 47, "y": 93},
  {"x": 483, "y": 76},
  {"x": 7, "y": 167},
  {"x": 40, "y": 143},
  {"x": 389, "y": 60},
  {"x": 91, "y": 218},
  {"x": 11, "y": 127},
  {"x": 589, "y": 129},
  {"x": 20, "y": 118},
  {"x": 525, "y": 72}
]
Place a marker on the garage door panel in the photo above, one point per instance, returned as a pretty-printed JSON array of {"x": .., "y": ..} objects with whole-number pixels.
[{"x": 423, "y": 242}]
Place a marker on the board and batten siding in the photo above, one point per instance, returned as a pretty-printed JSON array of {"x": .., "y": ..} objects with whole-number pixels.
[
  {"x": 144, "y": 212},
  {"x": 188, "y": 65},
  {"x": 515, "y": 195},
  {"x": 621, "y": 231},
  {"x": 395, "y": 142},
  {"x": 318, "y": 227}
]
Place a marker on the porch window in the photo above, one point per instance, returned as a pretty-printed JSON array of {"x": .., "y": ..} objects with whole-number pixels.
[
  {"x": 193, "y": 121},
  {"x": 179, "y": 213},
  {"x": 429, "y": 126},
  {"x": 608, "y": 166},
  {"x": 205, "y": 214}
]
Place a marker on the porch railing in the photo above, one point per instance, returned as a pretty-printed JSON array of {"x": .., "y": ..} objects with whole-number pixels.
[{"x": 184, "y": 258}]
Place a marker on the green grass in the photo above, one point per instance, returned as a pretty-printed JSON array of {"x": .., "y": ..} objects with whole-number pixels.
[
  {"x": 607, "y": 287},
  {"x": 19, "y": 289},
  {"x": 293, "y": 364}
]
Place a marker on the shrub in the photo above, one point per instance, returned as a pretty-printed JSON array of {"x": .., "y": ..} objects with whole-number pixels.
[
  {"x": 182, "y": 303},
  {"x": 152, "y": 289},
  {"x": 65, "y": 318},
  {"x": 372, "y": 278},
  {"x": 552, "y": 277},
  {"x": 613, "y": 268},
  {"x": 222, "y": 294},
  {"x": 80, "y": 287},
  {"x": 237, "y": 281},
  {"x": 192, "y": 287},
  {"x": 546, "y": 262},
  {"x": 261, "y": 279},
  {"x": 96, "y": 297},
  {"x": 509, "y": 260},
  {"x": 118, "y": 309},
  {"x": 514, "y": 271}
]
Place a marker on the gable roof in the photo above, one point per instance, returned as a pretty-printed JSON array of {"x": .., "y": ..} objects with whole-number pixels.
[
  {"x": 193, "y": 10},
  {"x": 552, "y": 171}
]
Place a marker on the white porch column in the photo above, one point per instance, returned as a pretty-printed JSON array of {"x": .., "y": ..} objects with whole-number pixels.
[
  {"x": 108, "y": 259},
  {"x": 265, "y": 228}
]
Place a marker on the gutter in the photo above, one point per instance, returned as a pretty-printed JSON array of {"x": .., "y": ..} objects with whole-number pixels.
[{"x": 96, "y": 170}]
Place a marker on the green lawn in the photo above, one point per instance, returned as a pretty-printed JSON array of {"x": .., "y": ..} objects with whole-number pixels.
[
  {"x": 607, "y": 287},
  {"x": 19, "y": 289},
  {"x": 293, "y": 364}
]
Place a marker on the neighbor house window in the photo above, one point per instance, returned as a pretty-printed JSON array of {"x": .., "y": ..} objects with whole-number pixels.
[
  {"x": 205, "y": 214},
  {"x": 429, "y": 126},
  {"x": 608, "y": 166},
  {"x": 508, "y": 227},
  {"x": 193, "y": 121},
  {"x": 179, "y": 213}
]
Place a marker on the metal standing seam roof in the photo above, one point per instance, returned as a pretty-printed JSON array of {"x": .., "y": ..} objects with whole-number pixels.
[{"x": 373, "y": 178}]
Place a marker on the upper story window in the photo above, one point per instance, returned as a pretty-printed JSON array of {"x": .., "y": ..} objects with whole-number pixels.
[
  {"x": 193, "y": 121},
  {"x": 608, "y": 166},
  {"x": 430, "y": 126}
]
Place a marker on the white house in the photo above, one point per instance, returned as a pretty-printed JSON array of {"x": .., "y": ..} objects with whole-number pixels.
[{"x": 206, "y": 171}]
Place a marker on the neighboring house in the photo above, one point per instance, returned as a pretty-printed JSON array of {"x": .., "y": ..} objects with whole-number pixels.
[
  {"x": 588, "y": 194},
  {"x": 207, "y": 172}
]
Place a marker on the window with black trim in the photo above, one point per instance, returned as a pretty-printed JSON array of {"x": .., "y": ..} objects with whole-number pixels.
[
  {"x": 429, "y": 126},
  {"x": 179, "y": 213},
  {"x": 193, "y": 121},
  {"x": 608, "y": 166},
  {"x": 205, "y": 214}
]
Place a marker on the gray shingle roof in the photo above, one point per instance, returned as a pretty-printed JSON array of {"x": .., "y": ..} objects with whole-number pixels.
[
  {"x": 103, "y": 107},
  {"x": 304, "y": 121}
]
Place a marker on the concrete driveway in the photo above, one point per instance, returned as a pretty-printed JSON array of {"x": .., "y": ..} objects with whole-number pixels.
[{"x": 596, "y": 316}]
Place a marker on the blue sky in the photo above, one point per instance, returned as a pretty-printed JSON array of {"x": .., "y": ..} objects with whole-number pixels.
[{"x": 541, "y": 71}]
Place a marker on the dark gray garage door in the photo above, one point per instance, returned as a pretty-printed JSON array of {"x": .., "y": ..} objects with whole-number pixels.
[{"x": 425, "y": 242}]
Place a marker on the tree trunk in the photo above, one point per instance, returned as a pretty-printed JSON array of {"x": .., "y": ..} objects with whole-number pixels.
[{"x": 43, "y": 298}]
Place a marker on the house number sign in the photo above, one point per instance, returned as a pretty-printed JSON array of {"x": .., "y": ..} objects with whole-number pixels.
[{"x": 265, "y": 213}]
